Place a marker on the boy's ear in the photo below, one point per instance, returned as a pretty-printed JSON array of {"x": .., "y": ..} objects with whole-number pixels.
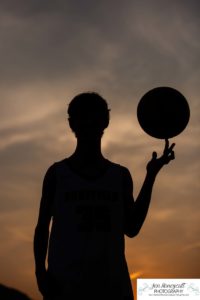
[
  {"x": 71, "y": 123},
  {"x": 106, "y": 123}
]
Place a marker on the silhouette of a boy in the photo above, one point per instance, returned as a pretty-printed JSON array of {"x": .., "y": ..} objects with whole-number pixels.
[{"x": 90, "y": 202}]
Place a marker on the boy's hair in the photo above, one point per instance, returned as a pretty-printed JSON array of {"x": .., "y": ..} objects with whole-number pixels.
[{"x": 88, "y": 103}]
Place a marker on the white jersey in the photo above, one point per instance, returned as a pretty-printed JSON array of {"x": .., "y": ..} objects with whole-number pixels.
[{"x": 86, "y": 244}]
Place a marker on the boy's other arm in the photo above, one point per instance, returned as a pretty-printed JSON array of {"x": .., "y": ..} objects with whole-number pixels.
[
  {"x": 41, "y": 235},
  {"x": 136, "y": 212}
]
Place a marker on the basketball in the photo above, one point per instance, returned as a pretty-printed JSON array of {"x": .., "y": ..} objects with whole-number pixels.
[{"x": 163, "y": 112}]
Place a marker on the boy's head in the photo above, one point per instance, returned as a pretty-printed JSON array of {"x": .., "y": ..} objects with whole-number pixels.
[{"x": 88, "y": 115}]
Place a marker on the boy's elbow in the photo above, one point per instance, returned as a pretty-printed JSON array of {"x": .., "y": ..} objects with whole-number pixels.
[{"x": 132, "y": 232}]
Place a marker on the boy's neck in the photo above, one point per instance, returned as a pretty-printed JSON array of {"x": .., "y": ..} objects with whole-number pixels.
[{"x": 88, "y": 151}]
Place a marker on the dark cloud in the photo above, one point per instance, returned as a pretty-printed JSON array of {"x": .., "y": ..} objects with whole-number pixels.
[{"x": 48, "y": 40}]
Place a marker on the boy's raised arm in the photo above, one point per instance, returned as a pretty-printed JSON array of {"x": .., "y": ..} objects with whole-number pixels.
[{"x": 136, "y": 212}]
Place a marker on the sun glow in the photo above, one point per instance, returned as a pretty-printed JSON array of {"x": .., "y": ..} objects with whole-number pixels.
[{"x": 135, "y": 275}]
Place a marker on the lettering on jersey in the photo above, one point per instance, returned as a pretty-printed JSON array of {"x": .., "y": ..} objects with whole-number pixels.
[
  {"x": 94, "y": 218},
  {"x": 92, "y": 196}
]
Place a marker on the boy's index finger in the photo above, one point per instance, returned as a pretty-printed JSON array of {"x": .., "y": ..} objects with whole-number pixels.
[{"x": 166, "y": 145}]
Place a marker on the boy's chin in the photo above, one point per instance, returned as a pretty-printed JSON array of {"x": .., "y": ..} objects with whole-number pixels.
[{"x": 89, "y": 136}]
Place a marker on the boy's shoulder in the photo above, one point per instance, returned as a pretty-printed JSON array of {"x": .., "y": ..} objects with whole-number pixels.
[
  {"x": 120, "y": 167},
  {"x": 113, "y": 164},
  {"x": 63, "y": 163},
  {"x": 57, "y": 164}
]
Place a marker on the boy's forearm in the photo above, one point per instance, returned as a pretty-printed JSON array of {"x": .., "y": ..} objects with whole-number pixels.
[
  {"x": 143, "y": 200},
  {"x": 40, "y": 248}
]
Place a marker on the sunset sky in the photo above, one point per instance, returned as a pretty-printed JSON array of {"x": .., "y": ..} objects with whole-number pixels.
[{"x": 52, "y": 50}]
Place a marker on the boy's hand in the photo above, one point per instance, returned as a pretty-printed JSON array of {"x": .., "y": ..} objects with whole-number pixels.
[
  {"x": 42, "y": 281},
  {"x": 155, "y": 164},
  {"x": 48, "y": 285}
]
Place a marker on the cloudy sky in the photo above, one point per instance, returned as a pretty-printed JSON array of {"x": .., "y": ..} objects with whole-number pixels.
[{"x": 53, "y": 50}]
